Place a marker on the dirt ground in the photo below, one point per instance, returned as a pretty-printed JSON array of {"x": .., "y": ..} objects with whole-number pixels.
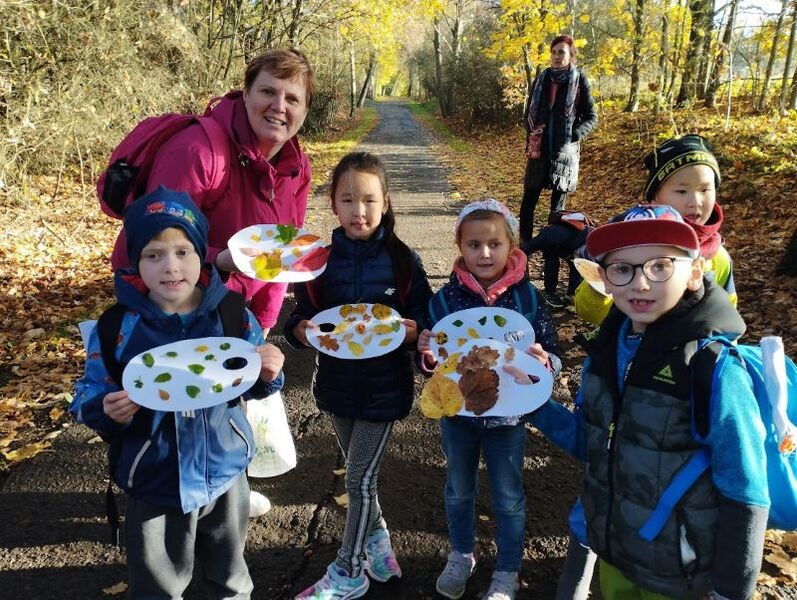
[{"x": 53, "y": 535}]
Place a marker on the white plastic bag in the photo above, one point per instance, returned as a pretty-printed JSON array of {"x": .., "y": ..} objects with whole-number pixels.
[{"x": 275, "y": 453}]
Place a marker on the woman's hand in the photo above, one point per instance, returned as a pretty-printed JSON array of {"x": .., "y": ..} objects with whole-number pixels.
[
  {"x": 224, "y": 261},
  {"x": 119, "y": 407},
  {"x": 411, "y": 328},
  {"x": 537, "y": 352},
  {"x": 300, "y": 331},
  {"x": 273, "y": 359}
]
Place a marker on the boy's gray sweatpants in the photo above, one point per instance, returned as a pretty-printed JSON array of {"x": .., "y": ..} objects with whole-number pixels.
[{"x": 162, "y": 544}]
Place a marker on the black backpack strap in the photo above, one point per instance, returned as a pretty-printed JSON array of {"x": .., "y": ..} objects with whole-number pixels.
[
  {"x": 231, "y": 310},
  {"x": 108, "y": 326},
  {"x": 701, "y": 377}
]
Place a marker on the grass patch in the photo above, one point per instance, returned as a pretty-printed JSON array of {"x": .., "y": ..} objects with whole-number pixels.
[{"x": 426, "y": 114}]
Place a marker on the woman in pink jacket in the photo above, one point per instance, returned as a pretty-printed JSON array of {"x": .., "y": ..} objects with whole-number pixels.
[{"x": 246, "y": 167}]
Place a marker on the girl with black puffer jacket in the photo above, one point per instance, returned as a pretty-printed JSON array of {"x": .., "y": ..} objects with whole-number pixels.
[{"x": 367, "y": 263}]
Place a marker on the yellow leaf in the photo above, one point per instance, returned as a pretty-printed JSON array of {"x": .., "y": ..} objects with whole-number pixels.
[
  {"x": 115, "y": 590},
  {"x": 342, "y": 500},
  {"x": 56, "y": 413},
  {"x": 338, "y": 471},
  {"x": 25, "y": 452}
]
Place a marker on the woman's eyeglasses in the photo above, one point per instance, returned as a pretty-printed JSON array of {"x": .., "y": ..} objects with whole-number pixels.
[{"x": 658, "y": 269}]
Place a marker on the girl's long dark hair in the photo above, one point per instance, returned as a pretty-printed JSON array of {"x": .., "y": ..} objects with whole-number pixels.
[{"x": 400, "y": 253}]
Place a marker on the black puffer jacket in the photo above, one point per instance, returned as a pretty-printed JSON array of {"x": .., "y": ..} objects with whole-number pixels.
[{"x": 373, "y": 389}]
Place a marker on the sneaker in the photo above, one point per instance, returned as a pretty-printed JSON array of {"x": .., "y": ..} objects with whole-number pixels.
[
  {"x": 503, "y": 586},
  {"x": 258, "y": 504},
  {"x": 336, "y": 585},
  {"x": 380, "y": 560},
  {"x": 455, "y": 575},
  {"x": 554, "y": 300}
]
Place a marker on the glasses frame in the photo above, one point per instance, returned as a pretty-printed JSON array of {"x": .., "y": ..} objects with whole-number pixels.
[{"x": 641, "y": 267}]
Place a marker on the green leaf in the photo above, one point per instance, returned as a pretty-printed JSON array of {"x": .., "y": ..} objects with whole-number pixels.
[
  {"x": 225, "y": 346},
  {"x": 163, "y": 377},
  {"x": 286, "y": 233},
  {"x": 148, "y": 360},
  {"x": 217, "y": 387},
  {"x": 395, "y": 325},
  {"x": 210, "y": 357},
  {"x": 499, "y": 320},
  {"x": 138, "y": 383},
  {"x": 196, "y": 369},
  {"x": 483, "y": 320},
  {"x": 457, "y": 323},
  {"x": 171, "y": 354},
  {"x": 192, "y": 391}
]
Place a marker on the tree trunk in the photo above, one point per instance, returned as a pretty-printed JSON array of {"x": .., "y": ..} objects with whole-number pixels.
[
  {"x": 694, "y": 53},
  {"x": 664, "y": 51},
  {"x": 636, "y": 52},
  {"x": 724, "y": 47},
  {"x": 456, "y": 50},
  {"x": 676, "y": 62},
  {"x": 368, "y": 78},
  {"x": 705, "y": 64},
  {"x": 784, "y": 88},
  {"x": 438, "y": 63},
  {"x": 296, "y": 19},
  {"x": 353, "y": 76},
  {"x": 793, "y": 99},
  {"x": 762, "y": 98}
]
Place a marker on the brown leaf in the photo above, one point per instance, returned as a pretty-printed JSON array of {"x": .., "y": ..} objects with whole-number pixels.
[{"x": 480, "y": 389}]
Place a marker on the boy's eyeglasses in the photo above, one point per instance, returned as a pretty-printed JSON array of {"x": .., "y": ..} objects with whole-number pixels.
[{"x": 658, "y": 269}]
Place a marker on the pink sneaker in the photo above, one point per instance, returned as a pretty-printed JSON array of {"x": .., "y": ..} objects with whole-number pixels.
[
  {"x": 381, "y": 562},
  {"x": 336, "y": 585}
]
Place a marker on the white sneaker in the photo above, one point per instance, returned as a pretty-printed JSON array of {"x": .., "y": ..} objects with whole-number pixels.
[
  {"x": 258, "y": 504},
  {"x": 455, "y": 575},
  {"x": 503, "y": 586}
]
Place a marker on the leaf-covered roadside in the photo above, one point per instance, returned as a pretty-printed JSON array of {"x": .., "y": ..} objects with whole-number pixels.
[
  {"x": 55, "y": 245},
  {"x": 758, "y": 158}
]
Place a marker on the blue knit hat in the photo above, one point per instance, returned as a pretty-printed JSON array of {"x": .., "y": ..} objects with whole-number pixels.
[{"x": 160, "y": 209}]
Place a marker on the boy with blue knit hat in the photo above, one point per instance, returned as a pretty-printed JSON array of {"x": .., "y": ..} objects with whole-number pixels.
[
  {"x": 184, "y": 473},
  {"x": 634, "y": 426}
]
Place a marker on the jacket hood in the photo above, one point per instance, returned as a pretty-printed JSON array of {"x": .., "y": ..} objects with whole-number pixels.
[{"x": 132, "y": 292}]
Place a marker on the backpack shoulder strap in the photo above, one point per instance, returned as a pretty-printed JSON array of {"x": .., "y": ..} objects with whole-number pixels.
[
  {"x": 231, "y": 311},
  {"x": 525, "y": 296},
  {"x": 701, "y": 380},
  {"x": 220, "y": 148},
  {"x": 108, "y": 326}
]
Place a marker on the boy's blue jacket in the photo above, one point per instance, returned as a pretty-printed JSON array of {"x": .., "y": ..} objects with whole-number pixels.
[
  {"x": 633, "y": 425},
  {"x": 361, "y": 271},
  {"x": 166, "y": 458}
]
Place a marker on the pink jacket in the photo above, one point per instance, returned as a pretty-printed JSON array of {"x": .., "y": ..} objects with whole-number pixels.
[{"x": 256, "y": 192}]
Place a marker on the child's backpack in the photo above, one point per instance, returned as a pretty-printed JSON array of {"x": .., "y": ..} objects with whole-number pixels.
[
  {"x": 524, "y": 295},
  {"x": 231, "y": 311},
  {"x": 125, "y": 178},
  {"x": 779, "y": 445}
]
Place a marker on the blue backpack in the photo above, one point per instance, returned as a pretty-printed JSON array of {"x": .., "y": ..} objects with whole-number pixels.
[{"x": 706, "y": 368}]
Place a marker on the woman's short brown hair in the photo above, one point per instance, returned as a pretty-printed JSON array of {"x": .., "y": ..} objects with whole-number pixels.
[
  {"x": 567, "y": 40},
  {"x": 283, "y": 63}
]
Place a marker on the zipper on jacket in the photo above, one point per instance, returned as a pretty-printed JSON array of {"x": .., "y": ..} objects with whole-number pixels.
[
  {"x": 136, "y": 460},
  {"x": 241, "y": 434}
]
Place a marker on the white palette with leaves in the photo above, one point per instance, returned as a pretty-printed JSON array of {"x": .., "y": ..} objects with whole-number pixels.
[
  {"x": 192, "y": 374},
  {"x": 278, "y": 253},
  {"x": 357, "y": 331},
  {"x": 453, "y": 331}
]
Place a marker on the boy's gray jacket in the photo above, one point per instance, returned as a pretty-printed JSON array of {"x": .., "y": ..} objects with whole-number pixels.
[{"x": 638, "y": 440}]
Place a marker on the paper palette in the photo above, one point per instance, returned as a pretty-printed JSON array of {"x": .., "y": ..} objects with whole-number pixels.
[
  {"x": 452, "y": 332},
  {"x": 191, "y": 374},
  {"x": 279, "y": 253},
  {"x": 513, "y": 398},
  {"x": 357, "y": 331}
]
